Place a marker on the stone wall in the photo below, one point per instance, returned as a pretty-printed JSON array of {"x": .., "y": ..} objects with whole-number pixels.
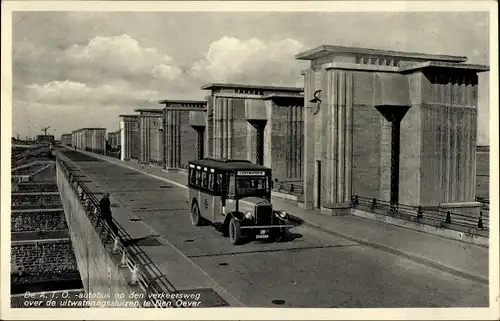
[
  {"x": 46, "y": 175},
  {"x": 35, "y": 187},
  {"x": 29, "y": 169},
  {"x": 39, "y": 221},
  {"x": 42, "y": 261},
  {"x": 20, "y": 199}
]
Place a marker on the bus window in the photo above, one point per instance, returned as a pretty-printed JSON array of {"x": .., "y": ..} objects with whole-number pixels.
[
  {"x": 218, "y": 183},
  {"x": 211, "y": 182},
  {"x": 192, "y": 176},
  {"x": 232, "y": 184},
  {"x": 198, "y": 176},
  {"x": 204, "y": 180},
  {"x": 252, "y": 185}
]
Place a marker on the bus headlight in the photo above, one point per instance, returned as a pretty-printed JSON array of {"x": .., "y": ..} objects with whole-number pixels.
[
  {"x": 283, "y": 214},
  {"x": 248, "y": 215}
]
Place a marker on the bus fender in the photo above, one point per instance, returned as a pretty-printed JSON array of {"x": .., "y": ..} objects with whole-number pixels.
[
  {"x": 238, "y": 216},
  {"x": 194, "y": 201}
]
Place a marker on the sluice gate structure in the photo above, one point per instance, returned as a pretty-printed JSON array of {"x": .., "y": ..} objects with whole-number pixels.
[
  {"x": 116, "y": 271},
  {"x": 111, "y": 271},
  {"x": 43, "y": 264}
]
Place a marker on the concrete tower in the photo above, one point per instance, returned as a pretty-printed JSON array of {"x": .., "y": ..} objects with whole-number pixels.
[{"x": 347, "y": 143}]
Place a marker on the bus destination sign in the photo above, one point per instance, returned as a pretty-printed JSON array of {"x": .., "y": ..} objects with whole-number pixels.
[{"x": 251, "y": 173}]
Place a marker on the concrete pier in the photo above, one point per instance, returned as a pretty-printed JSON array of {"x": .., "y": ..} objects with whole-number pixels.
[
  {"x": 347, "y": 140},
  {"x": 129, "y": 132},
  {"x": 237, "y": 112},
  {"x": 151, "y": 136},
  {"x": 180, "y": 137},
  {"x": 90, "y": 139}
]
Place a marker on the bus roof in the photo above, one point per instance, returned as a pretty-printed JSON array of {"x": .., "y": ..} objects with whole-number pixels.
[{"x": 228, "y": 164}]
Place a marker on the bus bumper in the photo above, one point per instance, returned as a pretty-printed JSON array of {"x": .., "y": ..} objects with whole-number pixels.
[{"x": 264, "y": 232}]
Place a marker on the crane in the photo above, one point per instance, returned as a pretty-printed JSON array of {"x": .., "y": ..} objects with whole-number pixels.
[{"x": 45, "y": 130}]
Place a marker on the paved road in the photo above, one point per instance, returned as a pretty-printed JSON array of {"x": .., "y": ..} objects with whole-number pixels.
[{"x": 311, "y": 269}]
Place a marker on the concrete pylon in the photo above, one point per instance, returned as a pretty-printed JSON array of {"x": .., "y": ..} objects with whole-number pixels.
[
  {"x": 198, "y": 122},
  {"x": 259, "y": 125},
  {"x": 256, "y": 115},
  {"x": 392, "y": 100},
  {"x": 200, "y": 141}
]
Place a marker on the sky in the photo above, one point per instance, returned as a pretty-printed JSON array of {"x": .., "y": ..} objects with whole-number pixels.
[{"x": 83, "y": 69}]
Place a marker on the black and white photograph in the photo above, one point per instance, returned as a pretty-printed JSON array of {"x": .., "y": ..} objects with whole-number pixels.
[{"x": 327, "y": 160}]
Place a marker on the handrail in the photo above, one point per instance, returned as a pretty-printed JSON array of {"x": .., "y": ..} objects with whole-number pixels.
[
  {"x": 375, "y": 205},
  {"x": 150, "y": 279},
  {"x": 288, "y": 187}
]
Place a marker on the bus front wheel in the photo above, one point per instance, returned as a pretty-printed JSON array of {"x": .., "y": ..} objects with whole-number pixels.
[
  {"x": 234, "y": 231},
  {"x": 195, "y": 215}
]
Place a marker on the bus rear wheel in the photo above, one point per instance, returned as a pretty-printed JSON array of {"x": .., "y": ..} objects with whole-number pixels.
[
  {"x": 234, "y": 231},
  {"x": 196, "y": 218}
]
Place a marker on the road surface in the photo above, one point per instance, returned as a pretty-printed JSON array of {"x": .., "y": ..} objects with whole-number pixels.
[{"x": 310, "y": 269}]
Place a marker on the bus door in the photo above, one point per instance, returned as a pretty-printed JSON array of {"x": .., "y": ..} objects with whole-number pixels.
[
  {"x": 217, "y": 199},
  {"x": 194, "y": 192},
  {"x": 206, "y": 197}
]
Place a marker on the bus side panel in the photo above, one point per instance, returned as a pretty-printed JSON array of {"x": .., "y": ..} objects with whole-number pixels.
[
  {"x": 217, "y": 209},
  {"x": 202, "y": 202},
  {"x": 206, "y": 205}
]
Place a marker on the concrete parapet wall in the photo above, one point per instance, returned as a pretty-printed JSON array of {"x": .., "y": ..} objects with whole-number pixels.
[
  {"x": 99, "y": 268},
  {"x": 471, "y": 209}
]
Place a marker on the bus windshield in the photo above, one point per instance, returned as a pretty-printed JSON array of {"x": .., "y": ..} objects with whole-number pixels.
[{"x": 248, "y": 185}]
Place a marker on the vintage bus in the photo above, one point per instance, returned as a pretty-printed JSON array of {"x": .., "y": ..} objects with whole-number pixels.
[{"x": 235, "y": 197}]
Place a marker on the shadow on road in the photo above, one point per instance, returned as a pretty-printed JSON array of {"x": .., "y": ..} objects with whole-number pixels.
[
  {"x": 143, "y": 241},
  {"x": 297, "y": 221}
]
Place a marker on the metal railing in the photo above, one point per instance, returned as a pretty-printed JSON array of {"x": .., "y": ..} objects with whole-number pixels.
[
  {"x": 144, "y": 272},
  {"x": 288, "y": 187},
  {"x": 485, "y": 203},
  {"x": 419, "y": 213},
  {"x": 113, "y": 152}
]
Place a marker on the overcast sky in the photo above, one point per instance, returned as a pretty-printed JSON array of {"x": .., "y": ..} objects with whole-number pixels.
[{"x": 83, "y": 69}]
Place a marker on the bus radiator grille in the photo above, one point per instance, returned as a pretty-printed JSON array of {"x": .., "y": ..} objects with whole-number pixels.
[{"x": 264, "y": 214}]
